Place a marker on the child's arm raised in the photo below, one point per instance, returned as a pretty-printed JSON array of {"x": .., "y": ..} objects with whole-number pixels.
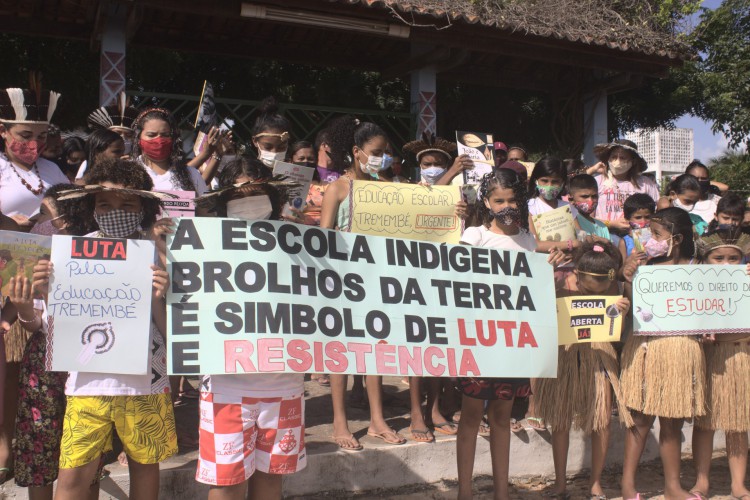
[{"x": 160, "y": 285}]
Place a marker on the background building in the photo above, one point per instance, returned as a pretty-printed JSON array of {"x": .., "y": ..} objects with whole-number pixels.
[{"x": 667, "y": 152}]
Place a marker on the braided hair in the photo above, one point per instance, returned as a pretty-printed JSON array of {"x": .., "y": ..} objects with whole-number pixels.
[
  {"x": 346, "y": 132},
  {"x": 177, "y": 165},
  {"x": 504, "y": 178}
]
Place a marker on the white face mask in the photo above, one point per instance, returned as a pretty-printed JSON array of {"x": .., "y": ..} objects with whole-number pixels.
[
  {"x": 376, "y": 164},
  {"x": 250, "y": 208},
  {"x": 268, "y": 157},
  {"x": 619, "y": 167},
  {"x": 430, "y": 175},
  {"x": 678, "y": 204}
]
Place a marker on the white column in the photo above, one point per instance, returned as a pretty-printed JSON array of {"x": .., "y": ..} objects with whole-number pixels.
[
  {"x": 112, "y": 54},
  {"x": 594, "y": 125},
  {"x": 424, "y": 94}
]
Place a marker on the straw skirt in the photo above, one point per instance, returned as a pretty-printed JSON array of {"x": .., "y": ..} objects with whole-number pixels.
[
  {"x": 15, "y": 342},
  {"x": 728, "y": 387},
  {"x": 664, "y": 376},
  {"x": 581, "y": 395}
]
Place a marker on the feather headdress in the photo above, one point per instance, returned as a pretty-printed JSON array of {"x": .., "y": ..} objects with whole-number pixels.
[
  {"x": 731, "y": 237},
  {"x": 82, "y": 191},
  {"x": 121, "y": 115},
  {"x": 249, "y": 188},
  {"x": 32, "y": 105},
  {"x": 430, "y": 144}
]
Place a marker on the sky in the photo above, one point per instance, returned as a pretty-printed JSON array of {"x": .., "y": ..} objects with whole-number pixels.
[{"x": 707, "y": 144}]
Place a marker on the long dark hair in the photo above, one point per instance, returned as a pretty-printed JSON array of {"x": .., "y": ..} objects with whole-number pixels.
[
  {"x": 677, "y": 221},
  {"x": 98, "y": 142},
  {"x": 504, "y": 178},
  {"x": 346, "y": 132},
  {"x": 177, "y": 166}
]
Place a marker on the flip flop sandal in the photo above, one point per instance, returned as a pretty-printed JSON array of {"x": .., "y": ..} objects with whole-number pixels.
[
  {"x": 484, "y": 428},
  {"x": 398, "y": 440},
  {"x": 428, "y": 437},
  {"x": 699, "y": 495},
  {"x": 323, "y": 381},
  {"x": 539, "y": 424},
  {"x": 597, "y": 497},
  {"x": 441, "y": 428},
  {"x": 351, "y": 439},
  {"x": 7, "y": 475},
  {"x": 516, "y": 426}
]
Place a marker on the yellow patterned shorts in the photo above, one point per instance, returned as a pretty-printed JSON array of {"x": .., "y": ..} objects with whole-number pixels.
[{"x": 145, "y": 425}]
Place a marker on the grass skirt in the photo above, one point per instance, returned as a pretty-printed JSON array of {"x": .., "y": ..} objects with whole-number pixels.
[
  {"x": 15, "y": 342},
  {"x": 581, "y": 395},
  {"x": 728, "y": 387},
  {"x": 664, "y": 376}
]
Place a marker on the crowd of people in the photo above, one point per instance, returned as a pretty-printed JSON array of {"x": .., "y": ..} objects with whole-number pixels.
[{"x": 59, "y": 426}]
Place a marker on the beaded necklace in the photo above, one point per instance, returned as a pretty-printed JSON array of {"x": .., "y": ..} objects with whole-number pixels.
[{"x": 35, "y": 170}]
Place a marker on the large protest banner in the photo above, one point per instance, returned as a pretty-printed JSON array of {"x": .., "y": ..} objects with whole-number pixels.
[
  {"x": 690, "y": 300},
  {"x": 99, "y": 305},
  {"x": 588, "y": 318},
  {"x": 406, "y": 211},
  {"x": 262, "y": 296}
]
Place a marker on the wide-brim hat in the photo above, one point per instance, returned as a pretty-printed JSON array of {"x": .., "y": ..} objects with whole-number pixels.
[
  {"x": 120, "y": 115},
  {"x": 429, "y": 143},
  {"x": 602, "y": 152}
]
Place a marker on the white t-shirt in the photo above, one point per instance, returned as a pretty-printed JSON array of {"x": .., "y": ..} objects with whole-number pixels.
[
  {"x": 15, "y": 198},
  {"x": 480, "y": 236},
  {"x": 538, "y": 206},
  {"x": 613, "y": 194},
  {"x": 168, "y": 181},
  {"x": 115, "y": 384},
  {"x": 706, "y": 209},
  {"x": 255, "y": 385}
]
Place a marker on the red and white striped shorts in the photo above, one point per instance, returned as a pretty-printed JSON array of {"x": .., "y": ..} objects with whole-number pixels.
[{"x": 239, "y": 435}]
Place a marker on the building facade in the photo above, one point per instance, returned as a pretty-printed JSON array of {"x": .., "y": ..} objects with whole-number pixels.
[{"x": 666, "y": 151}]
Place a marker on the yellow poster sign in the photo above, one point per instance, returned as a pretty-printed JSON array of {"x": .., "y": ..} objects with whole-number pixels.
[
  {"x": 408, "y": 211},
  {"x": 555, "y": 225},
  {"x": 588, "y": 319}
]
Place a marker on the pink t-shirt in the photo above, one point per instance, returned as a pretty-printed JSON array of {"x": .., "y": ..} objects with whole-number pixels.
[{"x": 613, "y": 193}]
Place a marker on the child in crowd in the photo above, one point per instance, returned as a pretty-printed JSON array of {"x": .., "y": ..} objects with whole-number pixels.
[
  {"x": 358, "y": 148},
  {"x": 728, "y": 370},
  {"x": 637, "y": 209},
  {"x": 662, "y": 376},
  {"x": 587, "y": 373},
  {"x": 584, "y": 196},
  {"x": 271, "y": 133},
  {"x": 97, "y": 403},
  {"x": 504, "y": 209},
  {"x": 259, "y": 417},
  {"x": 730, "y": 211},
  {"x": 684, "y": 192}
]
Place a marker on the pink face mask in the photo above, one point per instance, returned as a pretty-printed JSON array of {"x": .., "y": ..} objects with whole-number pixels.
[
  {"x": 586, "y": 207},
  {"x": 26, "y": 151}
]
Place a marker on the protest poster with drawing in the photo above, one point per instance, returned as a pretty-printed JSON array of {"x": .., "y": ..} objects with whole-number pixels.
[
  {"x": 690, "y": 300},
  {"x": 587, "y": 318},
  {"x": 18, "y": 254},
  {"x": 479, "y": 147},
  {"x": 299, "y": 299},
  {"x": 555, "y": 225},
  {"x": 99, "y": 305},
  {"x": 297, "y": 195},
  {"x": 406, "y": 211}
]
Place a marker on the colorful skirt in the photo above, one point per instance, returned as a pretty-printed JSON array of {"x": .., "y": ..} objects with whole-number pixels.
[
  {"x": 39, "y": 421},
  {"x": 491, "y": 389},
  {"x": 664, "y": 376},
  {"x": 581, "y": 395},
  {"x": 728, "y": 387}
]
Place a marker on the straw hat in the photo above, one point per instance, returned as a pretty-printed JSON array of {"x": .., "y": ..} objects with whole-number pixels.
[{"x": 602, "y": 152}]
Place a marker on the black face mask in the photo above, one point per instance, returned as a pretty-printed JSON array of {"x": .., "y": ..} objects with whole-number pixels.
[{"x": 705, "y": 186}]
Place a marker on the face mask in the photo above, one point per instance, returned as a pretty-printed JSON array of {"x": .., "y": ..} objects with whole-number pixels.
[
  {"x": 639, "y": 224},
  {"x": 46, "y": 228},
  {"x": 268, "y": 157},
  {"x": 619, "y": 167},
  {"x": 658, "y": 248},
  {"x": 157, "y": 149},
  {"x": 118, "y": 223},
  {"x": 327, "y": 175},
  {"x": 586, "y": 207},
  {"x": 128, "y": 146},
  {"x": 705, "y": 186},
  {"x": 508, "y": 216},
  {"x": 250, "y": 208},
  {"x": 678, "y": 204},
  {"x": 430, "y": 175},
  {"x": 376, "y": 164},
  {"x": 26, "y": 151},
  {"x": 549, "y": 193},
  {"x": 726, "y": 227}
]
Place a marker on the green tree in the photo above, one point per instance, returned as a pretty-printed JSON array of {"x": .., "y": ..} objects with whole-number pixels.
[{"x": 732, "y": 168}]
